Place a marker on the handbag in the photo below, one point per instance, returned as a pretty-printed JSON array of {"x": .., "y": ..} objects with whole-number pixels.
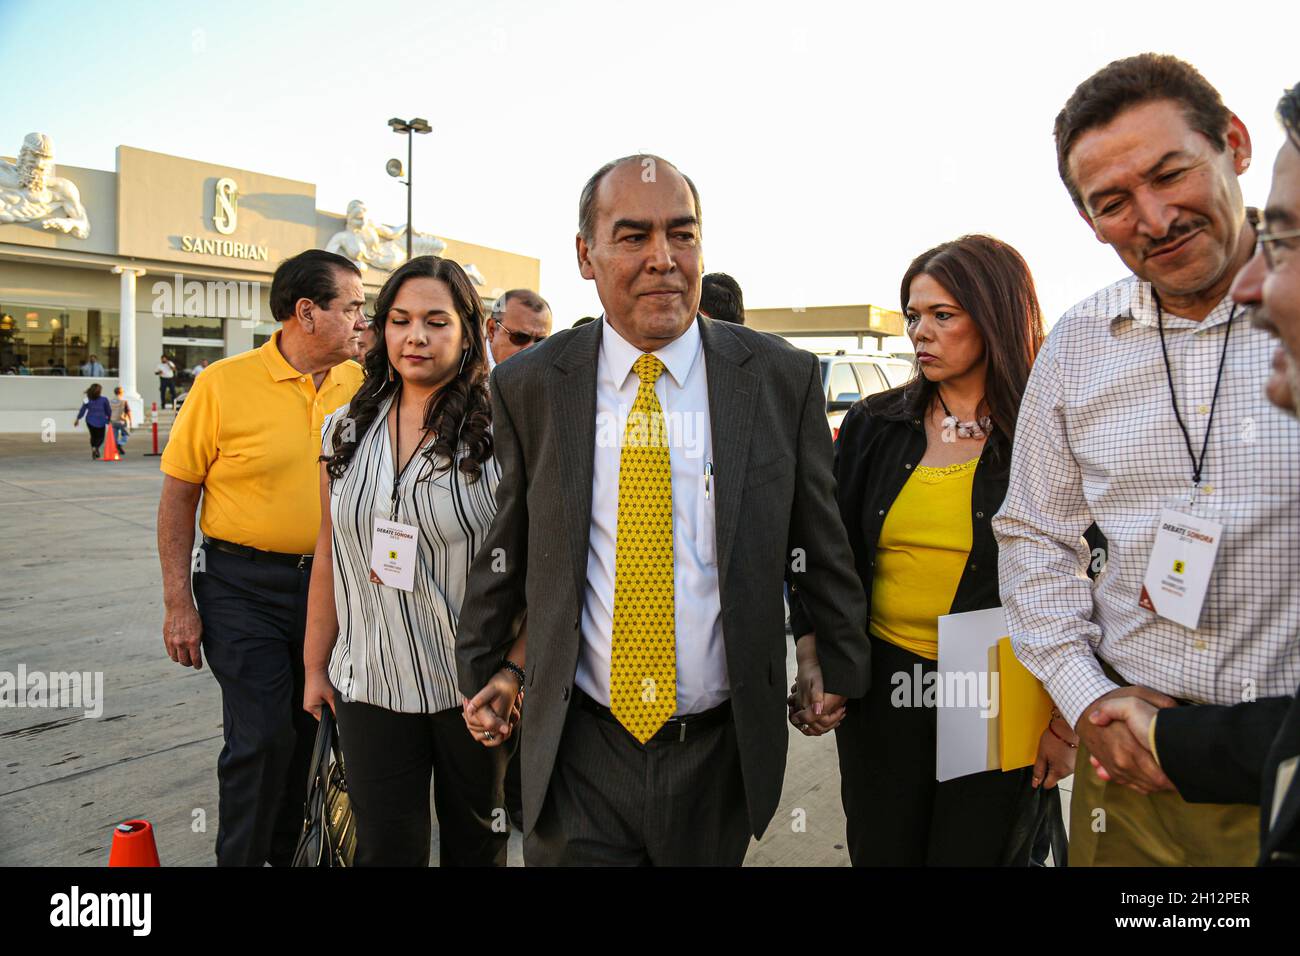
[
  {"x": 329, "y": 833},
  {"x": 1038, "y": 826}
]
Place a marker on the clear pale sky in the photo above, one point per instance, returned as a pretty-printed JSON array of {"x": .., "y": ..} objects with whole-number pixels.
[{"x": 831, "y": 142}]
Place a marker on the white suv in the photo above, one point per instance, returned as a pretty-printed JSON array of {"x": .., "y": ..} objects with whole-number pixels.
[{"x": 850, "y": 376}]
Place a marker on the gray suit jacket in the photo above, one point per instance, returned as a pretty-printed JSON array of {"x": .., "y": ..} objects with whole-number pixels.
[{"x": 775, "y": 493}]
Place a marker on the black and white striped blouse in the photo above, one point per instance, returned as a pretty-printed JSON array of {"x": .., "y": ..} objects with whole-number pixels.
[{"x": 397, "y": 649}]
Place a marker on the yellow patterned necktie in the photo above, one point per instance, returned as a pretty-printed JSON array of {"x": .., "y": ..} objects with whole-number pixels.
[{"x": 643, "y": 657}]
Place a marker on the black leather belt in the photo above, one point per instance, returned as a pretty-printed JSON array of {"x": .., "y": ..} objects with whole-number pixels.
[
  {"x": 675, "y": 730},
  {"x": 299, "y": 561},
  {"x": 1119, "y": 678}
]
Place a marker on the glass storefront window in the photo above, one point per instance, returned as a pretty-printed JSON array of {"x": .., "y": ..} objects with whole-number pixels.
[
  {"x": 45, "y": 340},
  {"x": 263, "y": 332},
  {"x": 192, "y": 327}
]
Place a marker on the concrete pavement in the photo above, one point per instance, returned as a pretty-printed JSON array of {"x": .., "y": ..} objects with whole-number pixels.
[{"x": 80, "y": 592}]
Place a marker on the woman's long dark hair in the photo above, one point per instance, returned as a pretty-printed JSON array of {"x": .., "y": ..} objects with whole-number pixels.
[
  {"x": 990, "y": 280},
  {"x": 459, "y": 412},
  {"x": 94, "y": 391}
]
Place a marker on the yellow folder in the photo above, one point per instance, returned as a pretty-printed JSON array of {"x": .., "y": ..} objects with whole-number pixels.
[{"x": 1024, "y": 710}]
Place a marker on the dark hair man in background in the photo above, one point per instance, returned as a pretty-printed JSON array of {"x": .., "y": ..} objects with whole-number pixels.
[
  {"x": 247, "y": 439},
  {"x": 721, "y": 299}
]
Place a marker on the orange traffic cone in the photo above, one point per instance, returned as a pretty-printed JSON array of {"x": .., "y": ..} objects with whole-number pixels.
[
  {"x": 133, "y": 844},
  {"x": 110, "y": 445}
]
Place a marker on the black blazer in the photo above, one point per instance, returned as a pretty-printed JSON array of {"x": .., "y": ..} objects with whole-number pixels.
[
  {"x": 881, "y": 440},
  {"x": 1232, "y": 754},
  {"x": 774, "y": 495}
]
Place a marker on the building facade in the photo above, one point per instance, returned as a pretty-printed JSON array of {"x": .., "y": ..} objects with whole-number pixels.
[{"x": 165, "y": 256}]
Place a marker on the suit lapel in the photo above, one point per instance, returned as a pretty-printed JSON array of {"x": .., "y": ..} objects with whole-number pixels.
[
  {"x": 733, "y": 392},
  {"x": 573, "y": 398}
]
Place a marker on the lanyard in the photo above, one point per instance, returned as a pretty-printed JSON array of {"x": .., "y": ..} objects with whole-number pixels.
[
  {"x": 1197, "y": 463},
  {"x": 397, "y": 450}
]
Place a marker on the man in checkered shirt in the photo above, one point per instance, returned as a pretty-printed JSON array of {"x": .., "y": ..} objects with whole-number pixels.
[{"x": 1151, "y": 156}]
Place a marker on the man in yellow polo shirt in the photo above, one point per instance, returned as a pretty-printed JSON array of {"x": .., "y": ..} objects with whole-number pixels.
[{"x": 248, "y": 441}]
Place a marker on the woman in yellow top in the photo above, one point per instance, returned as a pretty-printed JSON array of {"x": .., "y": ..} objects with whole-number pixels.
[{"x": 921, "y": 470}]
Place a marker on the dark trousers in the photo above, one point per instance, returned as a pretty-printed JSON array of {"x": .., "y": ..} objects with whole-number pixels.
[
  {"x": 389, "y": 756},
  {"x": 96, "y": 435},
  {"x": 898, "y": 814},
  {"x": 614, "y": 802},
  {"x": 166, "y": 390},
  {"x": 254, "y": 617}
]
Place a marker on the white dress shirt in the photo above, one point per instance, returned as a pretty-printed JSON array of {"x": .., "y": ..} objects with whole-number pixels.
[
  {"x": 683, "y": 396},
  {"x": 1096, "y": 440}
]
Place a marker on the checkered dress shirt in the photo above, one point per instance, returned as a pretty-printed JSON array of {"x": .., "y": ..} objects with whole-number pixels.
[{"x": 1096, "y": 440}]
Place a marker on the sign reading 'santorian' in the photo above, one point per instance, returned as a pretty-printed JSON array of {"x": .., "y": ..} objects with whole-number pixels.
[{"x": 225, "y": 247}]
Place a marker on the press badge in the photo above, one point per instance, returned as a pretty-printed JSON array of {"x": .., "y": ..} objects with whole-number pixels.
[
  {"x": 393, "y": 553},
  {"x": 1182, "y": 559}
]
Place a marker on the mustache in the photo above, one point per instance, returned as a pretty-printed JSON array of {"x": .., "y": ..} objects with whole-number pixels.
[
  {"x": 1177, "y": 232},
  {"x": 1258, "y": 318}
]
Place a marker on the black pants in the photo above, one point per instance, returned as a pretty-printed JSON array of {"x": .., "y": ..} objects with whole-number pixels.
[
  {"x": 96, "y": 435},
  {"x": 389, "y": 756},
  {"x": 254, "y": 617},
  {"x": 166, "y": 390},
  {"x": 898, "y": 814},
  {"x": 615, "y": 802}
]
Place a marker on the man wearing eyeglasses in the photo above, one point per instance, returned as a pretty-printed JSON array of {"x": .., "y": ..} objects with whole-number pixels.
[
  {"x": 1145, "y": 415},
  {"x": 1247, "y": 753},
  {"x": 520, "y": 319},
  {"x": 247, "y": 444}
]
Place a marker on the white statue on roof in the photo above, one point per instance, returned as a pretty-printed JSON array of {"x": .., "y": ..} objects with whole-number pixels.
[
  {"x": 30, "y": 192},
  {"x": 369, "y": 243}
]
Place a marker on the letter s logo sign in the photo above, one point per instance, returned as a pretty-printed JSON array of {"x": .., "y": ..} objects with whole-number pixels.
[{"x": 226, "y": 213}]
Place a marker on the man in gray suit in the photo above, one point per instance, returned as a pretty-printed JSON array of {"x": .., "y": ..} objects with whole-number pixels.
[{"x": 661, "y": 475}]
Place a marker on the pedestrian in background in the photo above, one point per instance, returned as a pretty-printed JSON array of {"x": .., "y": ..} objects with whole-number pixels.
[
  {"x": 98, "y": 413},
  {"x": 166, "y": 373},
  {"x": 121, "y": 419}
]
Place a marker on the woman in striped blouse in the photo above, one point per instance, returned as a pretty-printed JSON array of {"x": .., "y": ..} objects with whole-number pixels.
[{"x": 408, "y": 484}]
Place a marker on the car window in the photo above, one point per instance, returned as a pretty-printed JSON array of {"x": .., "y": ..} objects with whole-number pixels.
[
  {"x": 872, "y": 379},
  {"x": 897, "y": 373},
  {"x": 843, "y": 385}
]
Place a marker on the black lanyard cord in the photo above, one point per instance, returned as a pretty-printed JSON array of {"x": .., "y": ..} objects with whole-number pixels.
[
  {"x": 397, "y": 449},
  {"x": 1197, "y": 464}
]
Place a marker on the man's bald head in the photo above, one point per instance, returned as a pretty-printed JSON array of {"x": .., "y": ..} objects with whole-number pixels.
[{"x": 650, "y": 165}]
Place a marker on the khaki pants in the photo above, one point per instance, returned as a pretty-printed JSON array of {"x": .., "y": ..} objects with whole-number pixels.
[{"x": 1111, "y": 825}]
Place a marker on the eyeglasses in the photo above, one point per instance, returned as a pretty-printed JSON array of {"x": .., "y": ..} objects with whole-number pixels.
[
  {"x": 519, "y": 340},
  {"x": 1266, "y": 240}
]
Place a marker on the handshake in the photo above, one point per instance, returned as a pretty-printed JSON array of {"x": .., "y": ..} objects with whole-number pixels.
[{"x": 1118, "y": 729}]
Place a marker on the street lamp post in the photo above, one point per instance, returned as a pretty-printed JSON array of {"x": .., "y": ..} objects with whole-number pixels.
[{"x": 416, "y": 125}]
